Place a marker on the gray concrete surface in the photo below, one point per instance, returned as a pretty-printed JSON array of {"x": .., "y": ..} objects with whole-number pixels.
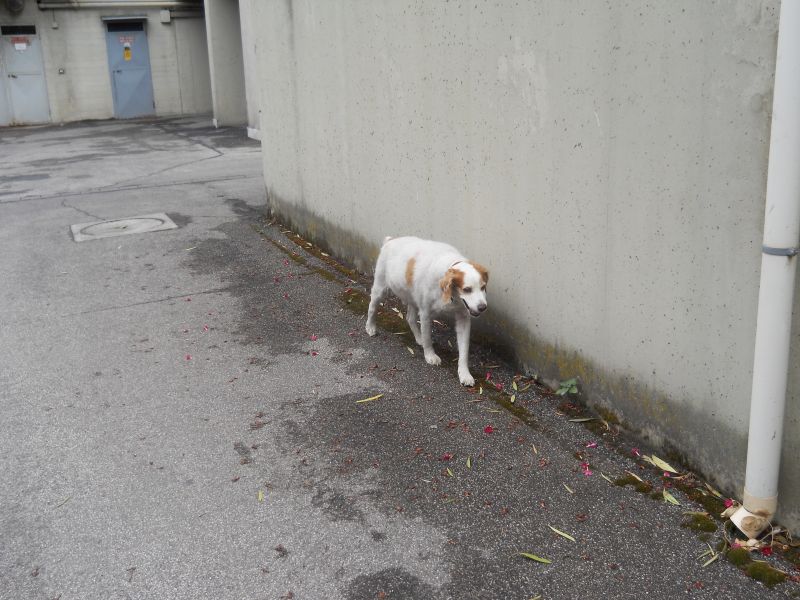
[{"x": 179, "y": 415}]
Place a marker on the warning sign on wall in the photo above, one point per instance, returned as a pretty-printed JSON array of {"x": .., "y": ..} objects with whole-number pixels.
[
  {"x": 126, "y": 39},
  {"x": 20, "y": 43}
]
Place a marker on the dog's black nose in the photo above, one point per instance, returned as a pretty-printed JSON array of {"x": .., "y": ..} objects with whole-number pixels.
[{"x": 481, "y": 307}]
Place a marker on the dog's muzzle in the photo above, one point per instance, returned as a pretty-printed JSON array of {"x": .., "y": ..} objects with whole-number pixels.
[{"x": 475, "y": 313}]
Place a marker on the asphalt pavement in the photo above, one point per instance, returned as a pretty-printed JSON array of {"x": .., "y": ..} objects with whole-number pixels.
[{"x": 197, "y": 412}]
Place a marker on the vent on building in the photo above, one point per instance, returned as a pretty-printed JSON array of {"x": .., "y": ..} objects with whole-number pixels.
[{"x": 18, "y": 30}]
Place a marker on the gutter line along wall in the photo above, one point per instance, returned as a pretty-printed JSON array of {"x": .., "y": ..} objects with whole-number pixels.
[{"x": 608, "y": 165}]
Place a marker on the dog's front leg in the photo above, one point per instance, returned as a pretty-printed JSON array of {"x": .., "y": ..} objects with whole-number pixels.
[
  {"x": 463, "y": 325},
  {"x": 427, "y": 345}
]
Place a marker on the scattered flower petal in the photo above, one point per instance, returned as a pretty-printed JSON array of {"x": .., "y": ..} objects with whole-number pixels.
[
  {"x": 446, "y": 456},
  {"x": 314, "y": 353},
  {"x": 766, "y": 551},
  {"x": 188, "y": 357},
  {"x": 205, "y": 327},
  {"x": 585, "y": 468},
  {"x": 313, "y": 338},
  {"x": 591, "y": 445},
  {"x": 635, "y": 452},
  {"x": 728, "y": 503},
  {"x": 488, "y": 429},
  {"x": 488, "y": 375}
]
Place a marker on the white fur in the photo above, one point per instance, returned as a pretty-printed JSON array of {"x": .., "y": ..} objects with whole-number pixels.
[{"x": 425, "y": 296}]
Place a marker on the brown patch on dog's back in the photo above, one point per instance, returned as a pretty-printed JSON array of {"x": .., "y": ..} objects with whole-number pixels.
[
  {"x": 482, "y": 271},
  {"x": 453, "y": 278},
  {"x": 410, "y": 271}
]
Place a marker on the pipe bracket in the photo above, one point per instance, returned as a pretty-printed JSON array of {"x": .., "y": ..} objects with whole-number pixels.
[{"x": 780, "y": 251}]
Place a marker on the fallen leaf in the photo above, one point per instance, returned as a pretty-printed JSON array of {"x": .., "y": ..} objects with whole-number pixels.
[
  {"x": 606, "y": 477},
  {"x": 410, "y": 350},
  {"x": 670, "y": 498},
  {"x": 534, "y": 557},
  {"x": 711, "y": 560},
  {"x": 469, "y": 462},
  {"x": 653, "y": 459},
  {"x": 260, "y": 495},
  {"x": 582, "y": 420},
  {"x": 370, "y": 399},
  {"x": 449, "y": 472},
  {"x": 513, "y": 398},
  {"x": 562, "y": 534},
  {"x": 635, "y": 476},
  {"x": 569, "y": 489}
]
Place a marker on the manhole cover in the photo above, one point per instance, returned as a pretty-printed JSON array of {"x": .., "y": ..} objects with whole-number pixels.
[{"x": 103, "y": 229}]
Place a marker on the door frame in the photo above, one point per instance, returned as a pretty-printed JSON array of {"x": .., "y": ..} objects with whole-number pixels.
[{"x": 121, "y": 20}]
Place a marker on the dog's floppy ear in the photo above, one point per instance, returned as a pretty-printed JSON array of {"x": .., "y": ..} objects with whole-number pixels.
[
  {"x": 448, "y": 282},
  {"x": 481, "y": 271}
]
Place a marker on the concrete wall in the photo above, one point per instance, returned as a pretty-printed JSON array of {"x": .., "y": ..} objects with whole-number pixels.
[
  {"x": 178, "y": 60},
  {"x": 606, "y": 160},
  {"x": 251, "y": 81},
  {"x": 224, "y": 35}
]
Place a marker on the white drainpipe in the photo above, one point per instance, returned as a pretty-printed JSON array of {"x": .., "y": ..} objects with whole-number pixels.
[{"x": 778, "y": 266}]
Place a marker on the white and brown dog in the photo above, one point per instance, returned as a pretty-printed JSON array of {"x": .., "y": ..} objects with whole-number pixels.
[{"x": 430, "y": 277}]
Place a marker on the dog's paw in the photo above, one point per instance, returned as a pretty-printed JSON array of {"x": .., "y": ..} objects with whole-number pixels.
[
  {"x": 371, "y": 329},
  {"x": 432, "y": 358},
  {"x": 466, "y": 379}
]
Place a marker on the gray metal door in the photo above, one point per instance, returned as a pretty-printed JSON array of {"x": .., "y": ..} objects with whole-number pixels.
[
  {"x": 129, "y": 61},
  {"x": 23, "y": 92}
]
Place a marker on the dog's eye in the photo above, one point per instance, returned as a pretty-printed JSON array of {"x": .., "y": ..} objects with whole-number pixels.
[{"x": 467, "y": 290}]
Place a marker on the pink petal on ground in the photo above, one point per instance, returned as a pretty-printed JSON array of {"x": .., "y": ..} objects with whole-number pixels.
[
  {"x": 205, "y": 327},
  {"x": 488, "y": 375},
  {"x": 447, "y": 456},
  {"x": 591, "y": 445},
  {"x": 188, "y": 357},
  {"x": 188, "y": 299},
  {"x": 766, "y": 551},
  {"x": 314, "y": 353},
  {"x": 313, "y": 338},
  {"x": 635, "y": 452},
  {"x": 728, "y": 503},
  {"x": 488, "y": 429}
]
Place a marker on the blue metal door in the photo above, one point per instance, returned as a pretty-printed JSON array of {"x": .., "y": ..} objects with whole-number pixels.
[
  {"x": 23, "y": 93},
  {"x": 129, "y": 61}
]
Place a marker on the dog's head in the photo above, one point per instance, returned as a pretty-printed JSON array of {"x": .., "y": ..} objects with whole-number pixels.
[{"x": 467, "y": 281}]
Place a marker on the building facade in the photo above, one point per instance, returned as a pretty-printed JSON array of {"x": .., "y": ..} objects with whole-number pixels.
[{"x": 69, "y": 61}]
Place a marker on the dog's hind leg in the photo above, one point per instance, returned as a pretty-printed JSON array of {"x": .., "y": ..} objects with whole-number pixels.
[
  {"x": 411, "y": 317},
  {"x": 463, "y": 325},
  {"x": 379, "y": 290}
]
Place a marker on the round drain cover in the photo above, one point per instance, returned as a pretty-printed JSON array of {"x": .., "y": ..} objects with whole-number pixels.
[{"x": 132, "y": 225}]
